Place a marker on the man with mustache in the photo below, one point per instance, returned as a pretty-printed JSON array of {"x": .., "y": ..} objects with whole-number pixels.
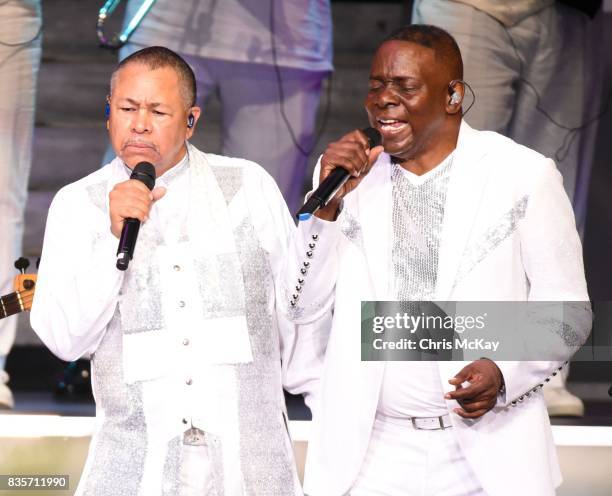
[
  {"x": 439, "y": 212},
  {"x": 188, "y": 353},
  {"x": 264, "y": 60}
]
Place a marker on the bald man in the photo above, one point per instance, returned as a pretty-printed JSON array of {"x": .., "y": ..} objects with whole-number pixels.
[{"x": 439, "y": 212}]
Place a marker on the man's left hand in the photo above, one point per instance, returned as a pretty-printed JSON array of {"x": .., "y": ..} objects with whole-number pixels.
[{"x": 485, "y": 381}]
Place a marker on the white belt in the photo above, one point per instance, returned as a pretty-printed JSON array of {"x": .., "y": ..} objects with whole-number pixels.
[
  {"x": 421, "y": 423},
  {"x": 194, "y": 437}
]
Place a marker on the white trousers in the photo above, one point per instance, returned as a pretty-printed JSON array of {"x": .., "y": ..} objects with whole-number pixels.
[
  {"x": 195, "y": 477},
  {"x": 252, "y": 125},
  {"x": 554, "y": 52},
  {"x": 403, "y": 461},
  {"x": 20, "y": 21}
]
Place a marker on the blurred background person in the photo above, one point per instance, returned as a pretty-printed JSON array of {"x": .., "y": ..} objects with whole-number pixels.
[
  {"x": 266, "y": 59},
  {"x": 20, "y": 51},
  {"x": 536, "y": 71}
]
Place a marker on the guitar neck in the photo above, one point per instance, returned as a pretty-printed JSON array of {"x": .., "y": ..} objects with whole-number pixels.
[
  {"x": 21, "y": 299},
  {"x": 14, "y": 303}
]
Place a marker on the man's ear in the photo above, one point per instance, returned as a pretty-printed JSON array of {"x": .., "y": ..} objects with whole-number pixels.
[
  {"x": 193, "y": 115},
  {"x": 456, "y": 92},
  {"x": 107, "y": 110}
]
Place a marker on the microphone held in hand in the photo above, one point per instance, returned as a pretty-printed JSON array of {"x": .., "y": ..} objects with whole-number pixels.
[
  {"x": 332, "y": 183},
  {"x": 145, "y": 173}
]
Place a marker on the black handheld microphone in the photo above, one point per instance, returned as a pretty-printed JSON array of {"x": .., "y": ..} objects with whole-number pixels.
[
  {"x": 332, "y": 183},
  {"x": 145, "y": 173}
]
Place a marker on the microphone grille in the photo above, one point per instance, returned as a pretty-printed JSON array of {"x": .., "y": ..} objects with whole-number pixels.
[
  {"x": 144, "y": 172},
  {"x": 374, "y": 138}
]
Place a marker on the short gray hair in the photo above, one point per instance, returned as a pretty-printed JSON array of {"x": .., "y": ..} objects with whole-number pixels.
[{"x": 156, "y": 57}]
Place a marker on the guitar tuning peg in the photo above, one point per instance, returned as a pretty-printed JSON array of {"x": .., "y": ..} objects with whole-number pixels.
[
  {"x": 21, "y": 264},
  {"x": 37, "y": 263}
]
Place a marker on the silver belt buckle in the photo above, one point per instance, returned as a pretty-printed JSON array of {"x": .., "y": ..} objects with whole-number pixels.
[
  {"x": 194, "y": 437},
  {"x": 428, "y": 423}
]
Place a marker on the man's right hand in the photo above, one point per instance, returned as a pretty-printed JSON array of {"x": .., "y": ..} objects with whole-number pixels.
[
  {"x": 131, "y": 199},
  {"x": 353, "y": 153}
]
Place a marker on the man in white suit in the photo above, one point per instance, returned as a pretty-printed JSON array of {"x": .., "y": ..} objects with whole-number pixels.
[
  {"x": 189, "y": 355},
  {"x": 440, "y": 212}
]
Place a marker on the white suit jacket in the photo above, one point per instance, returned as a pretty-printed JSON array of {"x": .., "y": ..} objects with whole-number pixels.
[
  {"x": 185, "y": 363},
  {"x": 508, "y": 235}
]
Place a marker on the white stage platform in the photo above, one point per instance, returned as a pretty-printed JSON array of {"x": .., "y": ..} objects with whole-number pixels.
[{"x": 48, "y": 444}]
